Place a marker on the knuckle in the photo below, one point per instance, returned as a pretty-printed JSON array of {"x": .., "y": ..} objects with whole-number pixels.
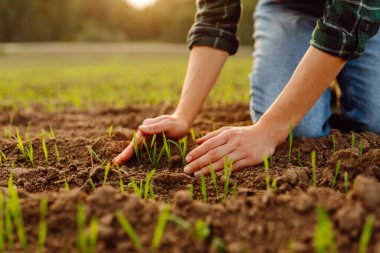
[{"x": 213, "y": 154}]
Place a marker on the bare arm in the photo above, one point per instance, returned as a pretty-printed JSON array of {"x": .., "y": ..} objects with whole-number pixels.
[
  {"x": 205, "y": 64},
  {"x": 246, "y": 145}
]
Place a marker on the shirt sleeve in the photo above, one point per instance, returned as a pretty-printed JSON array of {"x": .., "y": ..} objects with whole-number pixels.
[
  {"x": 346, "y": 26},
  {"x": 215, "y": 25}
]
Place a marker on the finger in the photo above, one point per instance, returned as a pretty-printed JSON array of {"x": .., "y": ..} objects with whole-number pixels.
[
  {"x": 155, "y": 128},
  {"x": 129, "y": 151},
  {"x": 211, "y": 135},
  {"x": 242, "y": 164},
  {"x": 148, "y": 122},
  {"x": 205, "y": 147},
  {"x": 219, "y": 165},
  {"x": 211, "y": 156}
]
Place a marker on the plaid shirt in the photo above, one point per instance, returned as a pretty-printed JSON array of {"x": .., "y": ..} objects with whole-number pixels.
[{"x": 342, "y": 31}]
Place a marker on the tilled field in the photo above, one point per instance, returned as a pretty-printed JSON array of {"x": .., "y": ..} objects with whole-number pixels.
[{"x": 252, "y": 219}]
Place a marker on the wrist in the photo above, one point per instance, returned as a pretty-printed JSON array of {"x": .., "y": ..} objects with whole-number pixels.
[
  {"x": 184, "y": 117},
  {"x": 278, "y": 130}
]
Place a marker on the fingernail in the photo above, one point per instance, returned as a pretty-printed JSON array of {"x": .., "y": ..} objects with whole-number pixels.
[
  {"x": 188, "y": 159},
  {"x": 187, "y": 169}
]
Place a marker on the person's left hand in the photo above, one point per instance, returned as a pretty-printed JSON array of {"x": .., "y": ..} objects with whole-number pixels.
[{"x": 245, "y": 146}]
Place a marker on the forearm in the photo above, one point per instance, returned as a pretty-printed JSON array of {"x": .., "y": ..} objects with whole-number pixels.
[
  {"x": 203, "y": 69},
  {"x": 312, "y": 77}
]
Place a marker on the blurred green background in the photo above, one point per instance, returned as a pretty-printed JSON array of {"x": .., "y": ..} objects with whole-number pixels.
[{"x": 85, "y": 53}]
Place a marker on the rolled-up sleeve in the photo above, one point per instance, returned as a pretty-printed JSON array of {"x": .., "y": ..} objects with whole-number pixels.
[
  {"x": 346, "y": 26},
  {"x": 215, "y": 25}
]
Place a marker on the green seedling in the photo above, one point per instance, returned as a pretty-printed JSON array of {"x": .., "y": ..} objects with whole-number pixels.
[
  {"x": 86, "y": 241},
  {"x": 3, "y": 158},
  {"x": 20, "y": 145},
  {"x": 227, "y": 170},
  {"x": 361, "y": 148},
  {"x": 51, "y": 133},
  {"x": 160, "y": 228},
  {"x": 153, "y": 157},
  {"x": 66, "y": 184},
  {"x": 213, "y": 177},
  {"x": 136, "y": 148},
  {"x": 274, "y": 185},
  {"x": 346, "y": 183},
  {"x": 192, "y": 134},
  {"x": 148, "y": 188},
  {"x": 92, "y": 236},
  {"x": 290, "y": 142},
  {"x": 201, "y": 230},
  {"x": 95, "y": 156},
  {"x": 121, "y": 180},
  {"x": 203, "y": 188},
  {"x": 106, "y": 171},
  {"x": 110, "y": 130},
  {"x": 353, "y": 140},
  {"x": 91, "y": 183},
  {"x": 57, "y": 155},
  {"x": 9, "y": 227},
  {"x": 191, "y": 191},
  {"x": 42, "y": 227},
  {"x": 314, "y": 168},
  {"x": 299, "y": 158},
  {"x": 129, "y": 231},
  {"x": 267, "y": 177},
  {"x": 337, "y": 169},
  {"x": 151, "y": 192},
  {"x": 81, "y": 224},
  {"x": 143, "y": 190},
  {"x": 333, "y": 142},
  {"x": 182, "y": 146},
  {"x": 324, "y": 235},
  {"x": 167, "y": 149},
  {"x": 44, "y": 149},
  {"x": 234, "y": 189},
  {"x": 366, "y": 233},
  {"x": 291, "y": 246},
  {"x": 30, "y": 152},
  {"x": 2, "y": 234},
  {"x": 15, "y": 216},
  {"x": 218, "y": 245}
]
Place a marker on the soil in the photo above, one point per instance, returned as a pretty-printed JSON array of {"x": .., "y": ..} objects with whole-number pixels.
[{"x": 255, "y": 220}]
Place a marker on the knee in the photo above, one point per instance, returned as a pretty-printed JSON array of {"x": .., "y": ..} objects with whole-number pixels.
[{"x": 311, "y": 128}]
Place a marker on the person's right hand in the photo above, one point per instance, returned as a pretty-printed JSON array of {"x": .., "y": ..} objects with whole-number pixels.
[{"x": 172, "y": 125}]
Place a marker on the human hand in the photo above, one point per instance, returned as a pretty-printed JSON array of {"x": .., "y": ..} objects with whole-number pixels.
[
  {"x": 172, "y": 125},
  {"x": 245, "y": 146}
]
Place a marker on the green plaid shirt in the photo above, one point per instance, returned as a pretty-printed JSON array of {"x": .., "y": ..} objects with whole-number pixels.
[{"x": 343, "y": 30}]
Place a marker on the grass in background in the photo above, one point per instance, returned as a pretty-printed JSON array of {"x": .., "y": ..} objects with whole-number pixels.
[{"x": 108, "y": 78}]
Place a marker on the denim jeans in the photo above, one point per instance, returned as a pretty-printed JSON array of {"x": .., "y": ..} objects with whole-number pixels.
[{"x": 282, "y": 36}]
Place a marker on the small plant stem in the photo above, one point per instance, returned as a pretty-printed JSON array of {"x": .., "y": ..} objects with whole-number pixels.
[
  {"x": 203, "y": 188},
  {"x": 44, "y": 148},
  {"x": 337, "y": 169},
  {"x": 353, "y": 140},
  {"x": 314, "y": 168},
  {"x": 110, "y": 130},
  {"x": 299, "y": 158},
  {"x": 57, "y": 154},
  {"x": 366, "y": 233},
  {"x": 333, "y": 142},
  {"x": 2, "y": 235},
  {"x": 290, "y": 141},
  {"x": 192, "y": 134},
  {"x": 213, "y": 177},
  {"x": 346, "y": 183},
  {"x": 106, "y": 171},
  {"x": 42, "y": 227},
  {"x": 129, "y": 231},
  {"x": 361, "y": 148},
  {"x": 191, "y": 191},
  {"x": 160, "y": 228},
  {"x": 267, "y": 177}
]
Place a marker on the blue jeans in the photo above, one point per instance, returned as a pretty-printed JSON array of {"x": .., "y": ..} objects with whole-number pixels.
[{"x": 282, "y": 37}]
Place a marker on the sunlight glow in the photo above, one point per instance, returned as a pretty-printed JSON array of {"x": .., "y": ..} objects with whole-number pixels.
[{"x": 140, "y": 3}]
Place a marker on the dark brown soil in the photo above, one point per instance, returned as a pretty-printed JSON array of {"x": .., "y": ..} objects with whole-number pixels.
[{"x": 255, "y": 220}]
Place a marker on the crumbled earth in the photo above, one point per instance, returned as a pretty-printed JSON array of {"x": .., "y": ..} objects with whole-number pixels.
[{"x": 253, "y": 220}]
